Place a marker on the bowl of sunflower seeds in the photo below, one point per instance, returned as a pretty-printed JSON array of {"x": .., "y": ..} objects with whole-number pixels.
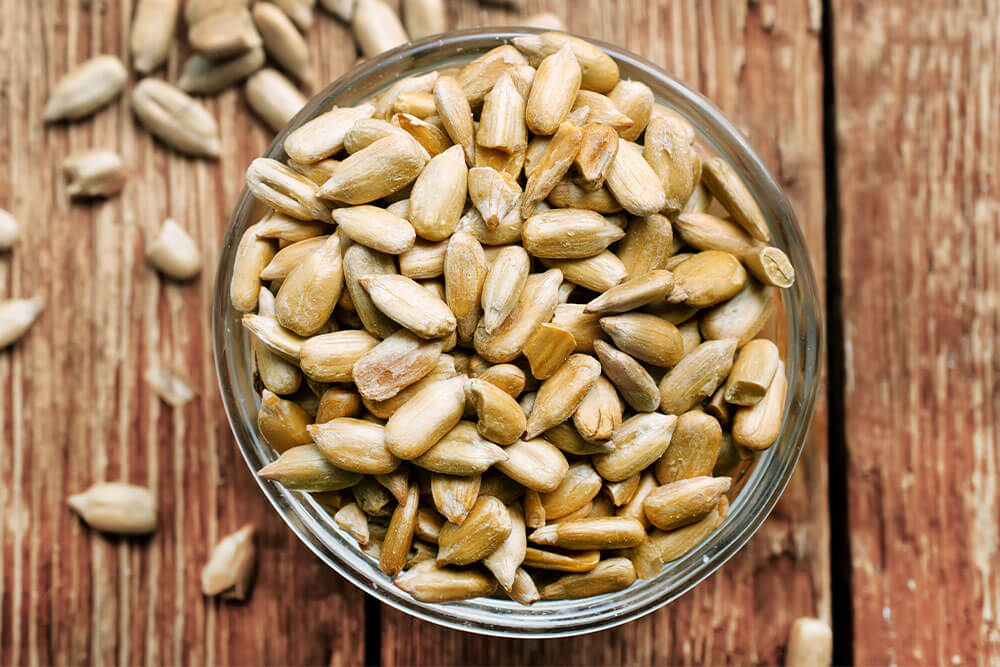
[{"x": 517, "y": 332}]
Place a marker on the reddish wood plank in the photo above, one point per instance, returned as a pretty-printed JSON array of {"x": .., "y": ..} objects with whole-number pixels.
[
  {"x": 917, "y": 147},
  {"x": 762, "y": 65},
  {"x": 74, "y": 408}
]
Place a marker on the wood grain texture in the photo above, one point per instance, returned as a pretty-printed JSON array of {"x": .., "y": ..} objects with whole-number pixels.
[
  {"x": 74, "y": 408},
  {"x": 918, "y": 145},
  {"x": 761, "y": 64}
]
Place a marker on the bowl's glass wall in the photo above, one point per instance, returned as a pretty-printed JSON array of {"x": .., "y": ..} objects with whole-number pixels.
[{"x": 761, "y": 485}]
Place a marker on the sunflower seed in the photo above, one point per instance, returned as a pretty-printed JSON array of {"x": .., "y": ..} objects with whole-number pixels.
[
  {"x": 581, "y": 561},
  {"x": 694, "y": 448},
  {"x": 230, "y": 567},
  {"x": 310, "y": 292},
  {"x": 324, "y": 135},
  {"x": 174, "y": 253},
  {"x": 753, "y": 370},
  {"x": 461, "y": 451},
  {"x": 224, "y": 34},
  {"x": 599, "y": 72},
  {"x": 553, "y": 91},
  {"x": 758, "y": 427},
  {"x": 613, "y": 574},
  {"x": 599, "y": 413},
  {"x": 485, "y": 528},
  {"x": 115, "y": 507},
  {"x": 399, "y": 535},
  {"x": 560, "y": 394},
  {"x": 631, "y": 294},
  {"x": 175, "y": 118},
  {"x": 94, "y": 173},
  {"x": 395, "y": 363},
  {"x": 376, "y": 27},
  {"x": 375, "y": 228},
  {"x": 500, "y": 417},
  {"x": 696, "y": 376},
  {"x": 454, "y": 496},
  {"x": 409, "y": 304},
  {"x": 601, "y": 109},
  {"x": 708, "y": 278},
  {"x": 273, "y": 97},
  {"x": 380, "y": 169},
  {"x": 646, "y": 337},
  {"x": 535, "y": 464},
  {"x": 639, "y": 441},
  {"x": 282, "y": 40},
  {"x": 206, "y": 76},
  {"x": 282, "y": 423},
  {"x": 85, "y": 89},
  {"x": 425, "y": 418},
  {"x": 428, "y": 582}
]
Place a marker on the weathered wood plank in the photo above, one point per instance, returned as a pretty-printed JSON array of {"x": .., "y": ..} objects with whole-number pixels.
[
  {"x": 762, "y": 66},
  {"x": 74, "y": 408},
  {"x": 917, "y": 150}
]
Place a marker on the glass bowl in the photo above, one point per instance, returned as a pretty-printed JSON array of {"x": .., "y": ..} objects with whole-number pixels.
[{"x": 798, "y": 331}]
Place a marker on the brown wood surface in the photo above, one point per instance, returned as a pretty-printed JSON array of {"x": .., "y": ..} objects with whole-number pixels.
[
  {"x": 918, "y": 144},
  {"x": 916, "y": 151}
]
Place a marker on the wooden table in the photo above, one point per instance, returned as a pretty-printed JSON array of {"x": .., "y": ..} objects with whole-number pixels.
[{"x": 881, "y": 121}]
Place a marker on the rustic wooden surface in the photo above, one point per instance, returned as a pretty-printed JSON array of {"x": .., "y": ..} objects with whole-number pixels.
[
  {"x": 918, "y": 142},
  {"x": 915, "y": 227}
]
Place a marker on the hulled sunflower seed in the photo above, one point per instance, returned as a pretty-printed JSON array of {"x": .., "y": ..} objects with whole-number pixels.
[
  {"x": 547, "y": 348},
  {"x": 331, "y": 357},
  {"x": 565, "y": 437},
  {"x": 174, "y": 253},
  {"x": 374, "y": 500},
  {"x": 366, "y": 131},
  {"x": 598, "y": 146},
  {"x": 282, "y": 40},
  {"x": 409, "y": 304},
  {"x": 646, "y": 245},
  {"x": 696, "y": 376},
  {"x": 708, "y": 278},
  {"x": 675, "y": 543},
  {"x": 718, "y": 407},
  {"x": 433, "y": 139},
  {"x": 645, "y": 337},
  {"x": 16, "y": 317},
  {"x": 771, "y": 266},
  {"x": 355, "y": 445},
  {"x": 152, "y": 33},
  {"x": 395, "y": 363},
  {"x": 704, "y": 231},
  {"x": 634, "y": 507},
  {"x": 655, "y": 285},
  {"x": 424, "y": 17},
  {"x": 598, "y": 273},
  {"x": 429, "y": 524},
  {"x": 461, "y": 451},
  {"x": 317, "y": 172},
  {"x": 599, "y": 72},
  {"x": 635, "y": 100},
  {"x": 567, "y": 194},
  {"x": 10, "y": 229},
  {"x": 741, "y": 317},
  {"x": 536, "y": 305},
  {"x": 591, "y": 533},
  {"x": 310, "y": 292},
  {"x": 206, "y": 76},
  {"x": 429, "y": 582},
  {"x": 175, "y": 118},
  {"x": 481, "y": 74},
  {"x": 613, "y": 574},
  {"x": 505, "y": 561},
  {"x": 619, "y": 493},
  {"x": 685, "y": 501},
  {"x": 168, "y": 385},
  {"x": 290, "y": 257},
  {"x": 694, "y": 448},
  {"x": 338, "y": 402},
  {"x": 560, "y": 394},
  {"x": 579, "y": 486},
  {"x": 501, "y": 124},
  {"x": 360, "y": 261},
  {"x": 196, "y": 10},
  {"x": 503, "y": 285},
  {"x": 535, "y": 464},
  {"x": 727, "y": 186},
  {"x": 115, "y": 507},
  {"x": 553, "y": 91},
  {"x": 507, "y": 377},
  {"x": 549, "y": 168},
  {"x": 669, "y": 150},
  {"x": 274, "y": 336},
  {"x": 351, "y": 519},
  {"x": 485, "y": 528},
  {"x": 494, "y": 194},
  {"x": 85, "y": 89},
  {"x": 376, "y": 27},
  {"x": 273, "y": 97},
  {"x": 230, "y": 567},
  {"x": 424, "y": 260},
  {"x": 599, "y": 413},
  {"x": 500, "y": 417},
  {"x": 396, "y": 482},
  {"x": 639, "y": 441},
  {"x": 94, "y": 173},
  {"x": 399, "y": 535},
  {"x": 758, "y": 427},
  {"x": 633, "y": 182},
  {"x": 380, "y": 169},
  {"x": 456, "y": 115},
  {"x": 636, "y": 385},
  {"x": 438, "y": 195},
  {"x": 324, "y": 135},
  {"x": 224, "y": 34},
  {"x": 753, "y": 370},
  {"x": 600, "y": 109},
  {"x": 810, "y": 642},
  {"x": 568, "y": 234},
  {"x": 581, "y": 561},
  {"x": 282, "y": 423},
  {"x": 375, "y": 228},
  {"x": 425, "y": 418},
  {"x": 454, "y": 496}
]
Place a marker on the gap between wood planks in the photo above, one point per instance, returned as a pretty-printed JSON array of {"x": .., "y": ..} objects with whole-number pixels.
[
  {"x": 840, "y": 560},
  {"x": 840, "y": 550}
]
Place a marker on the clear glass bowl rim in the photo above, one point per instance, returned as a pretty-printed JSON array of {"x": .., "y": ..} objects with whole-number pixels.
[{"x": 761, "y": 489}]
